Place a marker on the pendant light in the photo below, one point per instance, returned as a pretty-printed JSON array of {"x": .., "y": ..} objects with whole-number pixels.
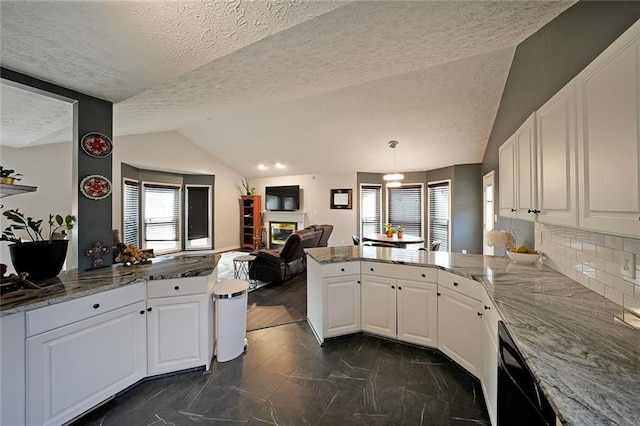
[{"x": 395, "y": 177}]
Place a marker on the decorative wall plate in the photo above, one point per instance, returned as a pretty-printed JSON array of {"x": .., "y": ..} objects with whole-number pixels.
[
  {"x": 96, "y": 145},
  {"x": 95, "y": 187}
]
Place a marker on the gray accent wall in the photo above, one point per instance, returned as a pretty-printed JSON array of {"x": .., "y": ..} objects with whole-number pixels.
[
  {"x": 542, "y": 65},
  {"x": 91, "y": 114}
]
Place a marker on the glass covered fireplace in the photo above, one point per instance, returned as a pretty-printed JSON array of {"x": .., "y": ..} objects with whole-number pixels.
[{"x": 279, "y": 232}]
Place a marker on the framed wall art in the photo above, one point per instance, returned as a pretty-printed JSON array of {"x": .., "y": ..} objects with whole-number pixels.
[{"x": 341, "y": 199}]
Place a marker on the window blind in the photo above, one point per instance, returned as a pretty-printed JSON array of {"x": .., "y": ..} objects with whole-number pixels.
[
  {"x": 130, "y": 213},
  {"x": 161, "y": 213},
  {"x": 439, "y": 214},
  {"x": 405, "y": 208},
  {"x": 370, "y": 209},
  {"x": 198, "y": 213}
]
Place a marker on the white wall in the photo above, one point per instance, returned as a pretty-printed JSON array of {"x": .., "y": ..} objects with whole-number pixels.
[
  {"x": 315, "y": 202},
  {"x": 47, "y": 167},
  {"x": 172, "y": 152}
]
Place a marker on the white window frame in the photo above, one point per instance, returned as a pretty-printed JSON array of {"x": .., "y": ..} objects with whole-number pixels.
[
  {"x": 161, "y": 248},
  {"x": 202, "y": 243},
  {"x": 422, "y": 223},
  {"x": 362, "y": 185},
  {"x": 123, "y": 234},
  {"x": 435, "y": 182}
]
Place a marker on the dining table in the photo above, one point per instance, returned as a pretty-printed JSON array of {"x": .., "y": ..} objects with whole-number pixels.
[{"x": 398, "y": 242}]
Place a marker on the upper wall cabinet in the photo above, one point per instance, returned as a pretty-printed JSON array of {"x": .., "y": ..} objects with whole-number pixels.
[
  {"x": 556, "y": 143},
  {"x": 609, "y": 139},
  {"x": 517, "y": 162}
]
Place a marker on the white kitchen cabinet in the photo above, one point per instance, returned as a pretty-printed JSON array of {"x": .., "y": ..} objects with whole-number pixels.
[
  {"x": 333, "y": 298},
  {"x": 179, "y": 324},
  {"x": 342, "y": 309},
  {"x": 517, "y": 162},
  {"x": 609, "y": 139},
  {"x": 417, "y": 312},
  {"x": 556, "y": 131},
  {"x": 177, "y": 333},
  {"x": 12, "y": 369},
  {"x": 71, "y": 369},
  {"x": 489, "y": 370},
  {"x": 379, "y": 305},
  {"x": 400, "y": 302},
  {"x": 459, "y": 329}
]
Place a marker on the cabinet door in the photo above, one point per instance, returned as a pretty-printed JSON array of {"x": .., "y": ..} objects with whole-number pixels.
[
  {"x": 418, "y": 313},
  {"x": 609, "y": 141},
  {"x": 12, "y": 369},
  {"x": 489, "y": 376},
  {"x": 341, "y": 305},
  {"x": 379, "y": 305},
  {"x": 556, "y": 146},
  {"x": 177, "y": 333},
  {"x": 507, "y": 188},
  {"x": 459, "y": 328},
  {"x": 75, "y": 367},
  {"x": 526, "y": 194}
]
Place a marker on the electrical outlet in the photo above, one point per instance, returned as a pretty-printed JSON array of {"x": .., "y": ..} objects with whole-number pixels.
[{"x": 628, "y": 265}]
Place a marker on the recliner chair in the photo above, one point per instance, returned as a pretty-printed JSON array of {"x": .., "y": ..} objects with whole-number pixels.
[{"x": 281, "y": 264}]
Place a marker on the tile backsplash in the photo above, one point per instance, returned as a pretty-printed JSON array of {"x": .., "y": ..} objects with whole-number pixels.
[{"x": 593, "y": 259}]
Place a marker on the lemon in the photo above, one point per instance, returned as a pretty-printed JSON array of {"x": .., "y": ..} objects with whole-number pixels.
[{"x": 522, "y": 249}]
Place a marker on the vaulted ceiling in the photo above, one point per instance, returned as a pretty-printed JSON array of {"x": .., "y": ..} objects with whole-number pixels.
[{"x": 320, "y": 86}]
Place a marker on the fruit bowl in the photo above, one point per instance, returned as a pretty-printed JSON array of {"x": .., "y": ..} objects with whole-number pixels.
[{"x": 524, "y": 257}]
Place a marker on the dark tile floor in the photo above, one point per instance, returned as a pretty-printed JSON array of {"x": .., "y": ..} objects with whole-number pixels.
[{"x": 287, "y": 378}]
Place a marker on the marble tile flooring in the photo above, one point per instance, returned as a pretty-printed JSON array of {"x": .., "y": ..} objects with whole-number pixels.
[{"x": 287, "y": 378}]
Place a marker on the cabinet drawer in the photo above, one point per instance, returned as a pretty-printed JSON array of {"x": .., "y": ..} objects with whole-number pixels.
[
  {"x": 340, "y": 269},
  {"x": 54, "y": 316},
  {"x": 401, "y": 272},
  {"x": 177, "y": 287},
  {"x": 462, "y": 285}
]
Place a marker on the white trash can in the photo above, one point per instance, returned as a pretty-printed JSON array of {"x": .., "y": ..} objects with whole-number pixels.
[{"x": 230, "y": 318}]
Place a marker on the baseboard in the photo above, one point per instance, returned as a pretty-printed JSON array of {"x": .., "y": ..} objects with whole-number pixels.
[{"x": 230, "y": 248}]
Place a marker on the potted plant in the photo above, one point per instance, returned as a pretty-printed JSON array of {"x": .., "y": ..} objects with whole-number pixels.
[
  {"x": 389, "y": 230},
  {"x": 41, "y": 257},
  {"x": 8, "y": 176},
  {"x": 400, "y": 230}
]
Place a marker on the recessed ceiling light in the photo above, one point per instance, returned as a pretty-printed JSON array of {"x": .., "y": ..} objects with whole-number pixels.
[
  {"x": 262, "y": 167},
  {"x": 279, "y": 166}
]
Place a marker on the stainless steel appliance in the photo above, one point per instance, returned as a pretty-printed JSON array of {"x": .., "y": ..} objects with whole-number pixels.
[{"x": 520, "y": 399}]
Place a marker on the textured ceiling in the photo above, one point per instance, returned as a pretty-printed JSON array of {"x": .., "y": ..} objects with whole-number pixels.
[{"x": 278, "y": 80}]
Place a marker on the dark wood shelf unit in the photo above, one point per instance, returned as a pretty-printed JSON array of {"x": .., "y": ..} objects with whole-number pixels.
[{"x": 250, "y": 222}]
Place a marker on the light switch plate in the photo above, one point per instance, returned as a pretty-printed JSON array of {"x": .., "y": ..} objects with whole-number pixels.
[{"x": 628, "y": 265}]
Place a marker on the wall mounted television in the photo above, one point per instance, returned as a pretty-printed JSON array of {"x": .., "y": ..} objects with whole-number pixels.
[{"x": 282, "y": 198}]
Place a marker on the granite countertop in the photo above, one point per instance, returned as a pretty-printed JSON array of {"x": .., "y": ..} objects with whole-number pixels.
[
  {"x": 583, "y": 349},
  {"x": 72, "y": 284}
]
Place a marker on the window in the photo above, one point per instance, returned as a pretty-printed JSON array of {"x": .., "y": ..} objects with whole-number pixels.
[
  {"x": 198, "y": 217},
  {"x": 439, "y": 214},
  {"x": 405, "y": 208},
  {"x": 161, "y": 215},
  {"x": 370, "y": 203},
  {"x": 130, "y": 212}
]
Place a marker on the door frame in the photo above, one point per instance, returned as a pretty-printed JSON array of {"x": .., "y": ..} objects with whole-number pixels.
[{"x": 488, "y": 180}]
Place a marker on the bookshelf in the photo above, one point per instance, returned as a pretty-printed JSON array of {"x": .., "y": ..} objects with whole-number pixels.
[{"x": 250, "y": 222}]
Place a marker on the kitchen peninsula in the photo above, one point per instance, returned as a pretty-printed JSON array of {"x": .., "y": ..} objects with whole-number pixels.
[
  {"x": 583, "y": 350},
  {"x": 91, "y": 334}
]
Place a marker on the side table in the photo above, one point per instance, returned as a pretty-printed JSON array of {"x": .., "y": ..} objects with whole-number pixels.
[{"x": 241, "y": 268}]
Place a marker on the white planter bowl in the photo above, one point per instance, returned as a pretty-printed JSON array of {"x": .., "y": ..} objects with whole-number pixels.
[{"x": 524, "y": 257}]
